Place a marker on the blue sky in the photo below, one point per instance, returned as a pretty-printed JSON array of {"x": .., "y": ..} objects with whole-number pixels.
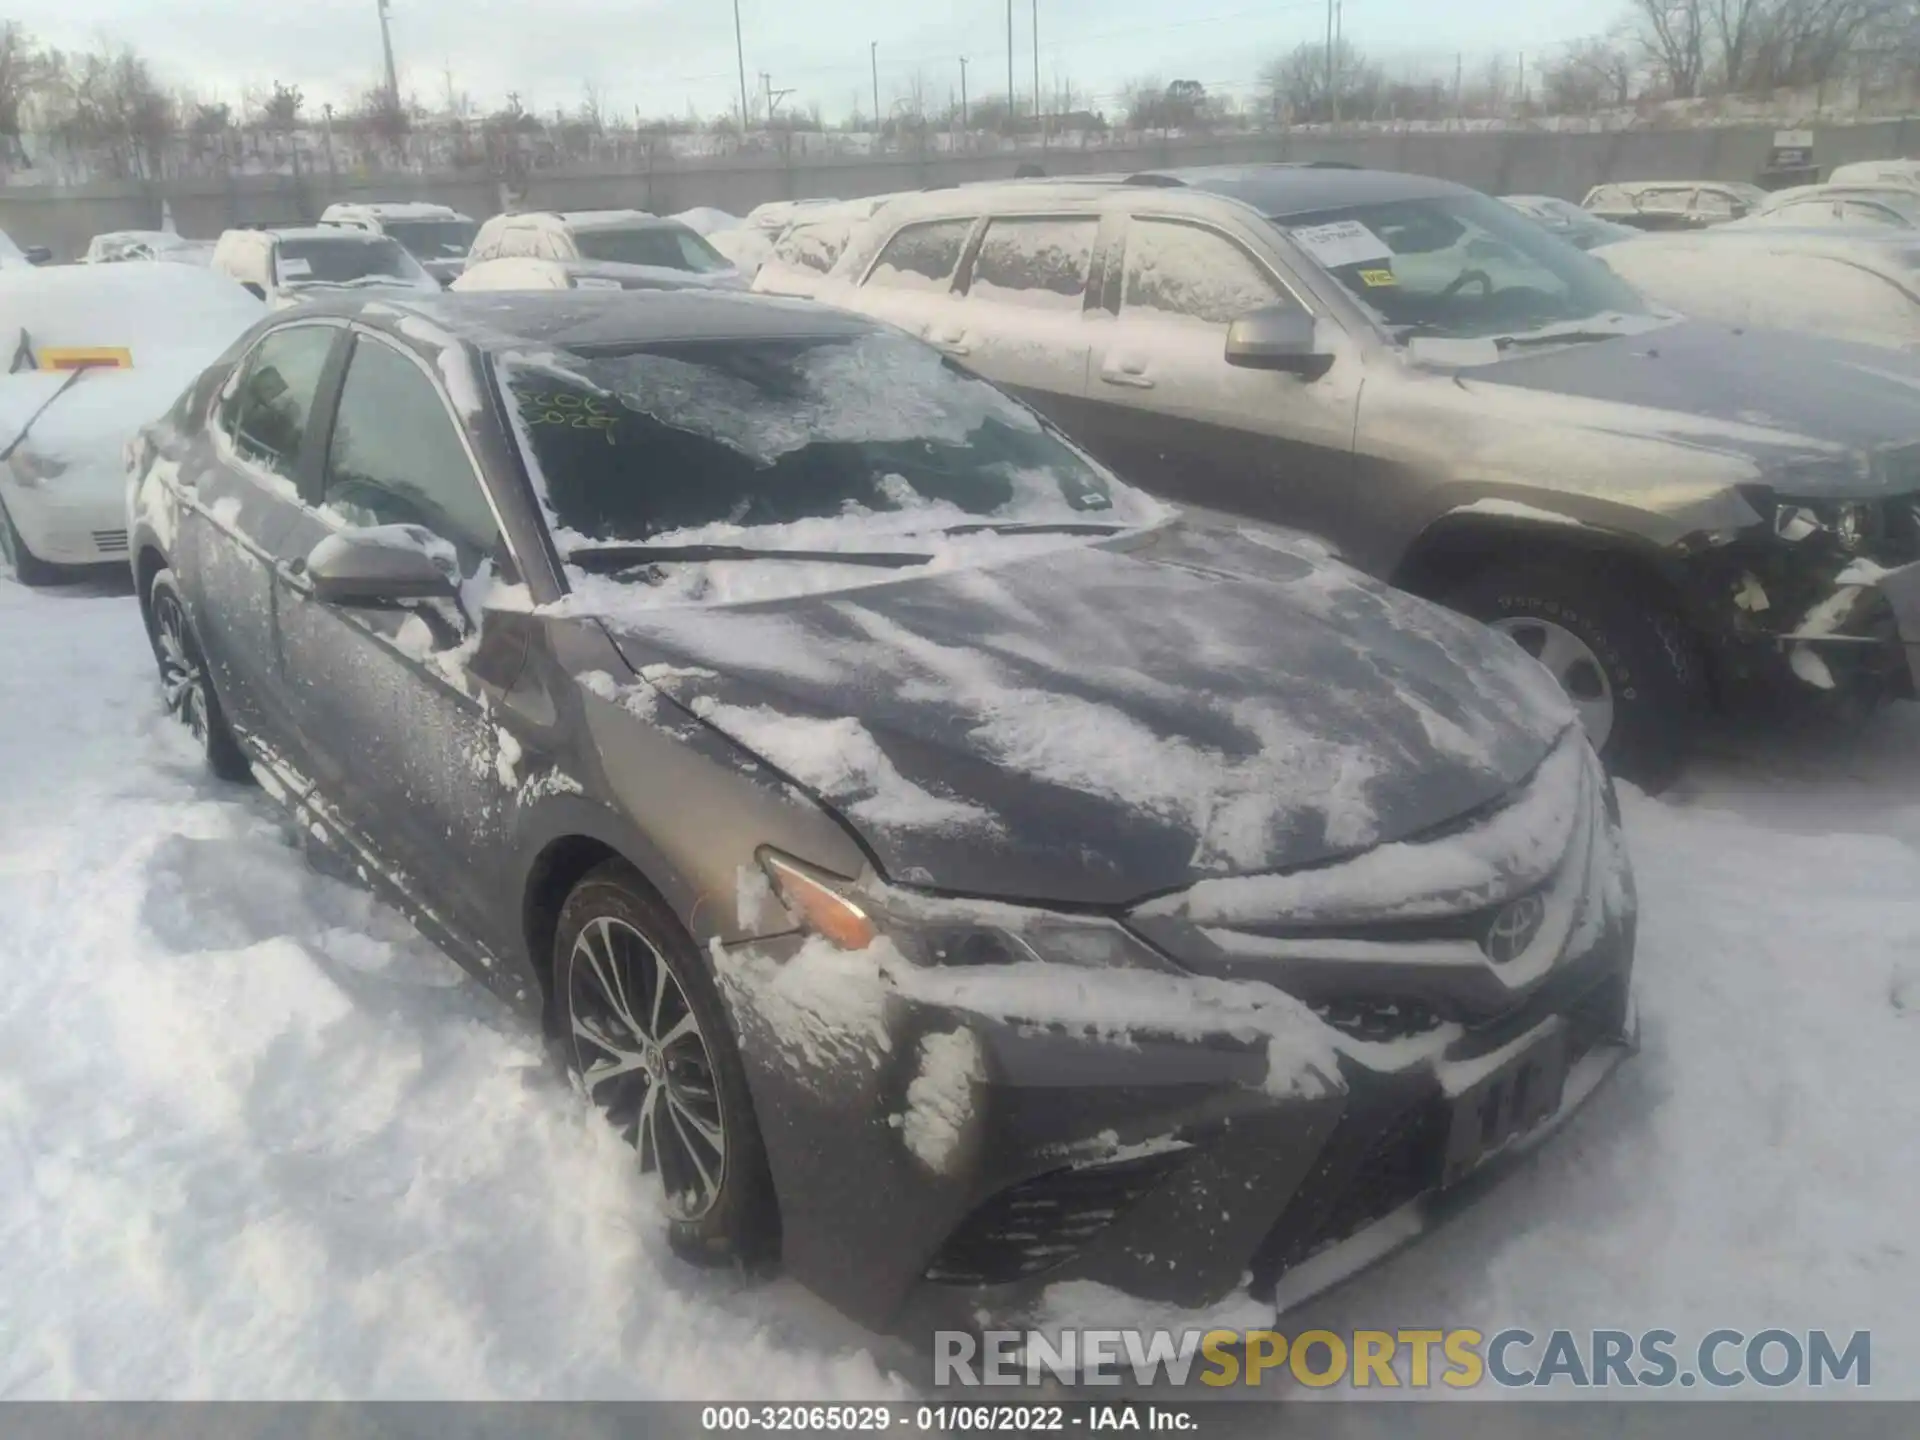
[{"x": 663, "y": 56}]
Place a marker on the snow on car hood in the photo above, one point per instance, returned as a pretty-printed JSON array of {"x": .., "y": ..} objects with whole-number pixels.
[
  {"x": 87, "y": 426},
  {"x": 1115, "y": 720},
  {"x": 1818, "y": 417}
]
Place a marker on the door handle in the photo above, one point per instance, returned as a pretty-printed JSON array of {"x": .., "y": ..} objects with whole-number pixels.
[{"x": 1130, "y": 378}]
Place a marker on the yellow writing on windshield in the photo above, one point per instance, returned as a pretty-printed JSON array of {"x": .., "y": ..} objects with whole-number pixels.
[
  {"x": 576, "y": 412},
  {"x": 1377, "y": 278}
]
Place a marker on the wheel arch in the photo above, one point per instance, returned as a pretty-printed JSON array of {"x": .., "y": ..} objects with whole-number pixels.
[
  {"x": 565, "y": 840},
  {"x": 1456, "y": 547}
]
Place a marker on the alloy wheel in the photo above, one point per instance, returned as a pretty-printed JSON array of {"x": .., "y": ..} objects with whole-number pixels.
[
  {"x": 183, "y": 681},
  {"x": 639, "y": 1049},
  {"x": 1573, "y": 663}
]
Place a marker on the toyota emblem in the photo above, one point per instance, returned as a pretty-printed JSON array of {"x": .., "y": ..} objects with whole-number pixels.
[{"x": 1514, "y": 928}]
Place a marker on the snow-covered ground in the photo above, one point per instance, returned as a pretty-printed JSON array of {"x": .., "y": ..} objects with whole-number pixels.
[{"x": 259, "y": 1140}]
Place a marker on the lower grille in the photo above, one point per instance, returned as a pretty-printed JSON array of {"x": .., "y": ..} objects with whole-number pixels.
[
  {"x": 1400, "y": 1162},
  {"x": 1040, "y": 1223},
  {"x": 110, "y": 542}
]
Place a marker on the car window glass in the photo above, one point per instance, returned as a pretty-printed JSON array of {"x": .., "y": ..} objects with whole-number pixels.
[
  {"x": 266, "y": 416},
  {"x": 813, "y": 247},
  {"x": 1038, "y": 263},
  {"x": 395, "y": 457},
  {"x": 1713, "y": 205},
  {"x": 1667, "y": 200},
  {"x": 1869, "y": 214},
  {"x": 922, "y": 257},
  {"x": 1183, "y": 270}
]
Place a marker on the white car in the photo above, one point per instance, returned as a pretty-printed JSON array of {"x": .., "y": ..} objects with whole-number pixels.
[
  {"x": 629, "y": 238},
  {"x": 799, "y": 261},
  {"x": 1861, "y": 285},
  {"x": 284, "y": 267},
  {"x": 438, "y": 236},
  {"x": 1878, "y": 172},
  {"x": 1848, "y": 204},
  {"x": 118, "y": 245},
  {"x": 96, "y": 352}
]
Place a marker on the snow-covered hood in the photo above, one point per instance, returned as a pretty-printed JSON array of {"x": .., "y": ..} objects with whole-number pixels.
[
  {"x": 88, "y": 424},
  {"x": 1105, "y": 722},
  {"x": 1814, "y": 416}
]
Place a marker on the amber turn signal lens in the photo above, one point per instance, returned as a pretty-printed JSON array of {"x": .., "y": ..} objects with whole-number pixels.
[{"x": 817, "y": 905}]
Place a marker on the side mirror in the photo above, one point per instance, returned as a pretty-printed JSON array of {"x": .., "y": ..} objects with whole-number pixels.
[
  {"x": 1278, "y": 337},
  {"x": 254, "y": 289},
  {"x": 383, "y": 565},
  {"x": 38, "y": 255}
]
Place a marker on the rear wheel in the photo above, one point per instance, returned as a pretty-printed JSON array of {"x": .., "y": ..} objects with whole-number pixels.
[
  {"x": 184, "y": 686},
  {"x": 644, "y": 1028},
  {"x": 1626, "y": 661},
  {"x": 28, "y": 568}
]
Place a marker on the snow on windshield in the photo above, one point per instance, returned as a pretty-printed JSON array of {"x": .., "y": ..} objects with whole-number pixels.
[{"x": 866, "y": 443}]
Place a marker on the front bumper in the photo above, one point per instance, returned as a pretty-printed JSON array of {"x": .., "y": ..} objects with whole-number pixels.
[
  {"x": 942, "y": 1158},
  {"x": 70, "y": 520}
]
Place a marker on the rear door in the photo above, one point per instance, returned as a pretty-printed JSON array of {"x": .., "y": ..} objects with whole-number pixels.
[
  {"x": 910, "y": 283},
  {"x": 241, "y": 493},
  {"x": 1023, "y": 320},
  {"x": 1165, "y": 409},
  {"x": 399, "y": 706}
]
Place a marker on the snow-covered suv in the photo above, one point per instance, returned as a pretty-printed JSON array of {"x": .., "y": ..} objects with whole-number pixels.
[
  {"x": 438, "y": 236},
  {"x": 627, "y": 238},
  {"x": 1664, "y": 512}
]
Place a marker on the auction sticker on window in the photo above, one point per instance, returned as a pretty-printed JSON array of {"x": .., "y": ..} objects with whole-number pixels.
[
  {"x": 295, "y": 267},
  {"x": 1344, "y": 242}
]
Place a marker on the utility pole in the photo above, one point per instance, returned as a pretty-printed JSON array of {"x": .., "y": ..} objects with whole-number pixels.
[
  {"x": 386, "y": 46},
  {"x": 1330, "y": 55},
  {"x": 1011, "y": 105},
  {"x": 740, "y": 54},
  {"x": 873, "y": 59},
  {"x": 963, "y": 93},
  {"x": 327, "y": 110},
  {"x": 1459, "y": 73},
  {"x": 1038, "y": 114},
  {"x": 774, "y": 97}
]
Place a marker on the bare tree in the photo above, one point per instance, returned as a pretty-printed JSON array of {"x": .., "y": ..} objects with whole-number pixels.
[
  {"x": 22, "y": 69},
  {"x": 1297, "y": 83},
  {"x": 1592, "y": 74},
  {"x": 1674, "y": 33}
]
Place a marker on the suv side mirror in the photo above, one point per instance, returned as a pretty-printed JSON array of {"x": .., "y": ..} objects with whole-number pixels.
[
  {"x": 254, "y": 288},
  {"x": 1278, "y": 337},
  {"x": 382, "y": 565}
]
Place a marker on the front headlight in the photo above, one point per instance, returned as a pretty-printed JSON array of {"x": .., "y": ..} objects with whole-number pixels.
[
  {"x": 1852, "y": 524},
  {"x": 30, "y": 468},
  {"x": 935, "y": 930}
]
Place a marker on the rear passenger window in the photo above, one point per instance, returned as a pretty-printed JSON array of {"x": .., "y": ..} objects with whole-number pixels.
[
  {"x": 1183, "y": 270},
  {"x": 922, "y": 257},
  {"x": 266, "y": 416},
  {"x": 813, "y": 247},
  {"x": 1038, "y": 263}
]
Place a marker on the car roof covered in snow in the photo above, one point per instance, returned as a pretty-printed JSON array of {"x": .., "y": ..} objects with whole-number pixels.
[
  {"x": 1280, "y": 190},
  {"x": 592, "y": 320},
  {"x": 394, "y": 209},
  {"x": 327, "y": 232}
]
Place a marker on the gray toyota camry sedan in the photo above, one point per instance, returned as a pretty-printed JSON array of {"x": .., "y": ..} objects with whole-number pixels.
[{"x": 953, "y": 871}]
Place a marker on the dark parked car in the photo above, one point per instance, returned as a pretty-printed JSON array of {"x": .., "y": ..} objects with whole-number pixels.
[
  {"x": 953, "y": 871},
  {"x": 1667, "y": 514}
]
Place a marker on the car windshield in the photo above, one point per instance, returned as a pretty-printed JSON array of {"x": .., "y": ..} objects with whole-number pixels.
[
  {"x": 838, "y": 441},
  {"x": 671, "y": 247},
  {"x": 327, "y": 260},
  {"x": 433, "y": 239},
  {"x": 1460, "y": 266}
]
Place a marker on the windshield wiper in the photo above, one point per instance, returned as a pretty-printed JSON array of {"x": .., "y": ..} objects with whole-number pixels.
[
  {"x": 608, "y": 558},
  {"x": 1035, "y": 527},
  {"x": 1555, "y": 337}
]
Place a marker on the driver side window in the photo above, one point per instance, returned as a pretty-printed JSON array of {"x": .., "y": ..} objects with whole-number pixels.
[
  {"x": 1178, "y": 269},
  {"x": 266, "y": 414},
  {"x": 395, "y": 457}
]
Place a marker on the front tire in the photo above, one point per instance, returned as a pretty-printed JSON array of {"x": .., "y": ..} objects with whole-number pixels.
[
  {"x": 1627, "y": 662},
  {"x": 643, "y": 1026},
  {"x": 28, "y": 568},
  {"x": 185, "y": 687}
]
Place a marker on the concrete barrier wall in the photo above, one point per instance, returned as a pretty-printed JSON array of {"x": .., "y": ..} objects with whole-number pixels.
[{"x": 1501, "y": 162}]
